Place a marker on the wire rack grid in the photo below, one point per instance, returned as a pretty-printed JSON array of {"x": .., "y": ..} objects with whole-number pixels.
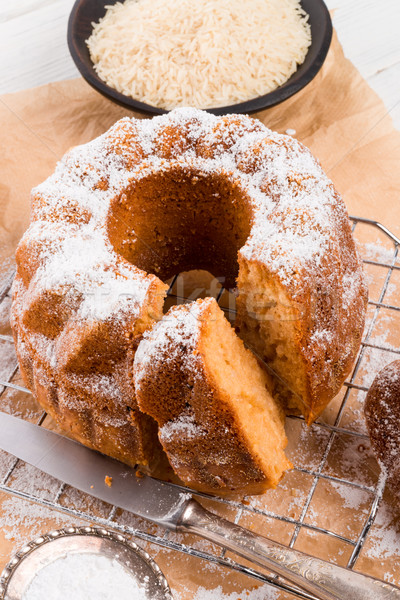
[{"x": 331, "y": 428}]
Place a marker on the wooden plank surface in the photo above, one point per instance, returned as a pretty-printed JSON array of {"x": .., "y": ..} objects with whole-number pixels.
[{"x": 34, "y": 51}]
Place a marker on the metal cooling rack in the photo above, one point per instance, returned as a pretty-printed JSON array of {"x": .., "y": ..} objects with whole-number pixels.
[{"x": 317, "y": 474}]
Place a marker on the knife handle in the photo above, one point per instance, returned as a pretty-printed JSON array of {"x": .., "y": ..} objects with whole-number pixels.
[{"x": 318, "y": 577}]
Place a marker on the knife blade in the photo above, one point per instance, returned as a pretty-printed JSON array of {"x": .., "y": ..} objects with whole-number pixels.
[
  {"x": 86, "y": 469},
  {"x": 168, "y": 505}
]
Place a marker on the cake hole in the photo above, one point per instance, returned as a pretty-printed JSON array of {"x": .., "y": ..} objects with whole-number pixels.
[{"x": 174, "y": 221}]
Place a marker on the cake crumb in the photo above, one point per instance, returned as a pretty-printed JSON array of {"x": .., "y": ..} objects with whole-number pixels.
[{"x": 108, "y": 480}]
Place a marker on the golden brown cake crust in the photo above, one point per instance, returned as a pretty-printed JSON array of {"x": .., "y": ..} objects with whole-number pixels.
[
  {"x": 150, "y": 197},
  {"x": 382, "y": 414},
  {"x": 208, "y": 443}
]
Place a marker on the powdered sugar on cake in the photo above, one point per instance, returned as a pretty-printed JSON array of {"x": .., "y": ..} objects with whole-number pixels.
[
  {"x": 295, "y": 230},
  {"x": 71, "y": 266},
  {"x": 185, "y": 425},
  {"x": 164, "y": 342}
]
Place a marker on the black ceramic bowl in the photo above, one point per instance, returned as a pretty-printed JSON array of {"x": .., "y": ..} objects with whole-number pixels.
[{"x": 85, "y": 12}]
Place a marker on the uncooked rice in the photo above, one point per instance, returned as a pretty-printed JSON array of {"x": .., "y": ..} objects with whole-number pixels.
[{"x": 201, "y": 53}]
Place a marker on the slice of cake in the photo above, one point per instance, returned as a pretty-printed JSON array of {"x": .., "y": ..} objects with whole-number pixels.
[{"x": 218, "y": 423}]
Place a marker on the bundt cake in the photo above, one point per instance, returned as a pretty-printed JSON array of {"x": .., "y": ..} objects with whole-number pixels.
[
  {"x": 382, "y": 414},
  {"x": 218, "y": 423},
  {"x": 150, "y": 198}
]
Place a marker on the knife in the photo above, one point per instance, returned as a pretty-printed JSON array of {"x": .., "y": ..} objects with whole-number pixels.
[{"x": 167, "y": 505}]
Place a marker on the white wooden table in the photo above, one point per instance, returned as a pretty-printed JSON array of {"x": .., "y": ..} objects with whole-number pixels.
[{"x": 33, "y": 47}]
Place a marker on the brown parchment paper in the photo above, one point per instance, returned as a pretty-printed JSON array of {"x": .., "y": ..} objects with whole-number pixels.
[{"x": 347, "y": 127}]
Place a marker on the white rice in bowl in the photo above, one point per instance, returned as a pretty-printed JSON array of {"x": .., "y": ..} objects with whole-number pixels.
[{"x": 201, "y": 53}]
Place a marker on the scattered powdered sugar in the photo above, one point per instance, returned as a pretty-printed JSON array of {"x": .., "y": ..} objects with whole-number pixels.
[
  {"x": 264, "y": 592},
  {"x": 391, "y": 289},
  {"x": 376, "y": 251},
  {"x": 5, "y": 314},
  {"x": 290, "y": 132},
  {"x": 352, "y": 497},
  {"x": 8, "y": 360},
  {"x": 30, "y": 480},
  {"x": 376, "y": 358},
  {"x": 385, "y": 535},
  {"x": 21, "y": 520},
  {"x": 84, "y": 576}
]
